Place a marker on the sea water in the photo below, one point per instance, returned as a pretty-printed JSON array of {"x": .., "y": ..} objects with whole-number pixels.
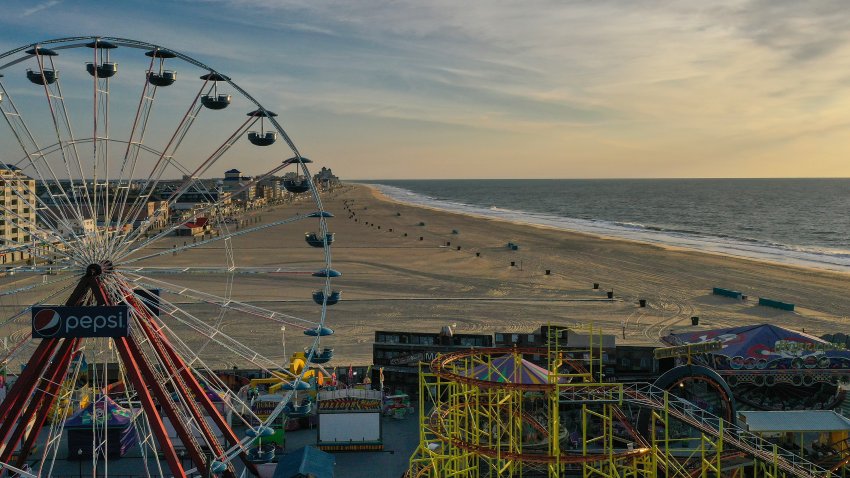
[{"x": 793, "y": 221}]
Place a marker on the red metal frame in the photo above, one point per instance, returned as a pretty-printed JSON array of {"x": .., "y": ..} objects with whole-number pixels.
[
  {"x": 28, "y": 376},
  {"x": 189, "y": 387},
  {"x": 27, "y": 386},
  {"x": 44, "y": 398},
  {"x": 155, "y": 420}
]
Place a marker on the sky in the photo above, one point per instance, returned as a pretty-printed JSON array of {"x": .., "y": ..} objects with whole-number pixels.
[{"x": 520, "y": 89}]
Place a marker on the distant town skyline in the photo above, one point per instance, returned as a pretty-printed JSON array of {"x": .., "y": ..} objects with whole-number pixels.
[{"x": 537, "y": 89}]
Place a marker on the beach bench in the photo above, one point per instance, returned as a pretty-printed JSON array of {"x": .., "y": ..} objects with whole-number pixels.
[
  {"x": 734, "y": 294},
  {"x": 776, "y": 304}
]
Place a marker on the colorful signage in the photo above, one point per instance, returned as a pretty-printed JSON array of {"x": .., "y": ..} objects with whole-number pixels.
[{"x": 54, "y": 322}]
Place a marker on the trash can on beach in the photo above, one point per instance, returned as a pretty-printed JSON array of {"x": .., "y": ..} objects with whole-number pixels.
[
  {"x": 642, "y": 302},
  {"x": 610, "y": 294},
  {"x": 695, "y": 320}
]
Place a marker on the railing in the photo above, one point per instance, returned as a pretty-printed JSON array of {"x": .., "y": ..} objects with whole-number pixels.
[{"x": 648, "y": 395}]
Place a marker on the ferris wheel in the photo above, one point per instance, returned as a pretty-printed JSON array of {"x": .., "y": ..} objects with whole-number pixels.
[{"x": 121, "y": 264}]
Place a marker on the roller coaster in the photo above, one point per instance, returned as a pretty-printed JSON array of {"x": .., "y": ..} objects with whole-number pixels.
[{"x": 480, "y": 418}]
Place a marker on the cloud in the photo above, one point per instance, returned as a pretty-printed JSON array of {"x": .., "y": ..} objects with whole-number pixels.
[{"x": 39, "y": 7}]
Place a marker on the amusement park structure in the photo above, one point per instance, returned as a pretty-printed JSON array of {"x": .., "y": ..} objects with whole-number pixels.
[
  {"x": 493, "y": 412},
  {"x": 100, "y": 239}
]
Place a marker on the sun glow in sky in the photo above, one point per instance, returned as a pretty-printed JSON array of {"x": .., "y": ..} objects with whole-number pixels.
[{"x": 530, "y": 89}]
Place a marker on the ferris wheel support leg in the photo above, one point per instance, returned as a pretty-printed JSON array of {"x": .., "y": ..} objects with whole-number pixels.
[
  {"x": 183, "y": 432},
  {"x": 200, "y": 394},
  {"x": 156, "y": 424},
  {"x": 28, "y": 378},
  {"x": 41, "y": 403},
  {"x": 179, "y": 377}
]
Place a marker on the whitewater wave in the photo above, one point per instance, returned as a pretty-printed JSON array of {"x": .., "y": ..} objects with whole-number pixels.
[{"x": 806, "y": 256}]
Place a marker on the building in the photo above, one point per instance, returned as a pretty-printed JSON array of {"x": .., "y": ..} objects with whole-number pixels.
[
  {"x": 236, "y": 185},
  {"x": 325, "y": 179},
  {"x": 399, "y": 354},
  {"x": 269, "y": 189},
  {"x": 17, "y": 223}
]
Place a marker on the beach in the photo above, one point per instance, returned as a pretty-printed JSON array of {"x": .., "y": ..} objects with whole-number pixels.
[{"x": 395, "y": 282}]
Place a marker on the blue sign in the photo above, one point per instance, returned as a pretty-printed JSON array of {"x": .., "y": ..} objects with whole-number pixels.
[{"x": 55, "y": 322}]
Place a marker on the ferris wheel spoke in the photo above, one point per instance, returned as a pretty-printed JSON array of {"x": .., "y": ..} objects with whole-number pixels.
[
  {"x": 62, "y": 128},
  {"x": 215, "y": 270},
  {"x": 132, "y": 243},
  {"x": 133, "y": 147},
  {"x": 33, "y": 156},
  {"x": 220, "y": 237},
  {"x": 141, "y": 425},
  {"x": 57, "y": 425},
  {"x": 168, "y": 154},
  {"x": 216, "y": 335},
  {"x": 221, "y": 302},
  {"x": 36, "y": 233},
  {"x": 188, "y": 183},
  {"x": 37, "y": 303},
  {"x": 191, "y": 356},
  {"x": 27, "y": 288}
]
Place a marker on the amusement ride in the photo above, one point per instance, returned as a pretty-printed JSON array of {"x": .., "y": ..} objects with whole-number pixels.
[{"x": 106, "y": 156}]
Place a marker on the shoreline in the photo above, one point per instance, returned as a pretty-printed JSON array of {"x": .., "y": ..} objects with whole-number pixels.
[{"x": 801, "y": 263}]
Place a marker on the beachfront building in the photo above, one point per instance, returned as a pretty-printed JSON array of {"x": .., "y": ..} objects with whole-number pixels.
[
  {"x": 399, "y": 354},
  {"x": 269, "y": 189},
  {"x": 17, "y": 195},
  {"x": 237, "y": 186},
  {"x": 325, "y": 179}
]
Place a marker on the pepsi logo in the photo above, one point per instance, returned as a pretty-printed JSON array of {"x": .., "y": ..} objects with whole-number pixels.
[{"x": 46, "y": 322}]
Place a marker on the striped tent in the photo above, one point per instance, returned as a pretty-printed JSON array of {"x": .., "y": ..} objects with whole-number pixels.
[{"x": 510, "y": 369}]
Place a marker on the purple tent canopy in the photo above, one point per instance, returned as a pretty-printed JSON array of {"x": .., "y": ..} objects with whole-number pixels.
[
  {"x": 104, "y": 411},
  {"x": 766, "y": 347},
  {"x": 508, "y": 369},
  {"x": 103, "y": 408}
]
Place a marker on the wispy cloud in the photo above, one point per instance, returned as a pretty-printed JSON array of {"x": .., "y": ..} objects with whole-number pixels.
[
  {"x": 671, "y": 86},
  {"x": 39, "y": 7}
]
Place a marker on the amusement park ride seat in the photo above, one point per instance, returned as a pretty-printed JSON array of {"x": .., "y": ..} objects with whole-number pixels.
[
  {"x": 299, "y": 185},
  {"x": 262, "y": 138},
  {"x": 216, "y": 102},
  {"x": 43, "y": 77},
  {"x": 105, "y": 70},
  {"x": 314, "y": 240},
  {"x": 319, "y": 297},
  {"x": 163, "y": 78},
  {"x": 321, "y": 332},
  {"x": 319, "y": 358}
]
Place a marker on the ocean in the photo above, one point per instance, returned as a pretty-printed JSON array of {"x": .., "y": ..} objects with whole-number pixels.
[{"x": 793, "y": 221}]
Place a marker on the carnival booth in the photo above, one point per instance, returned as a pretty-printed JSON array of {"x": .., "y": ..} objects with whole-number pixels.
[{"x": 89, "y": 425}]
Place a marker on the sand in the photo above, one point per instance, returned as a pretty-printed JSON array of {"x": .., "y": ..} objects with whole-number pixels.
[{"x": 393, "y": 282}]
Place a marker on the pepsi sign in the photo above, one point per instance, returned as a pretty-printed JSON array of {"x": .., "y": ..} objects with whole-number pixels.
[{"x": 55, "y": 322}]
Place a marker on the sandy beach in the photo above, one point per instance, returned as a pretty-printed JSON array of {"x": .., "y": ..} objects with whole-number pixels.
[{"x": 395, "y": 282}]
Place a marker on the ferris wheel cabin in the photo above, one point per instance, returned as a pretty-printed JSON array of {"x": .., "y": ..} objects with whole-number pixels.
[
  {"x": 104, "y": 69},
  {"x": 216, "y": 100},
  {"x": 333, "y": 298},
  {"x": 314, "y": 240}
]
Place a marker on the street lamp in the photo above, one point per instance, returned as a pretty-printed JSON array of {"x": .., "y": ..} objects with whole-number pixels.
[
  {"x": 80, "y": 460},
  {"x": 283, "y": 339}
]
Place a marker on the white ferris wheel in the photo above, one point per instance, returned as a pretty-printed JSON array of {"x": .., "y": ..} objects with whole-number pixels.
[{"x": 102, "y": 171}]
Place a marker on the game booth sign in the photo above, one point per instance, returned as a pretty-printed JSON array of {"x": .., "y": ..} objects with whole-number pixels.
[
  {"x": 767, "y": 354},
  {"x": 350, "y": 420}
]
